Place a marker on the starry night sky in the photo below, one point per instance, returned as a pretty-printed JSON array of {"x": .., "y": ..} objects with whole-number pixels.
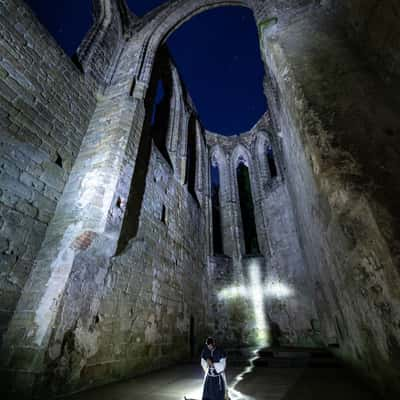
[{"x": 217, "y": 54}]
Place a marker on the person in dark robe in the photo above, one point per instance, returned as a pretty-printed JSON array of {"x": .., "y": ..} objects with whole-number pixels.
[{"x": 213, "y": 361}]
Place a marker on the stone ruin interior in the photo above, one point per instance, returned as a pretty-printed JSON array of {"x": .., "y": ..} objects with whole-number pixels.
[{"x": 129, "y": 232}]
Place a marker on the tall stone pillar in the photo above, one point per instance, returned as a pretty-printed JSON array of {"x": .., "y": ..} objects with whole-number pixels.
[
  {"x": 235, "y": 209},
  {"x": 258, "y": 192},
  {"x": 338, "y": 119},
  {"x": 225, "y": 201}
]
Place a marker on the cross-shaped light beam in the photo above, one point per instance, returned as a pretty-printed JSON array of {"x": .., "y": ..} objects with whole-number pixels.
[{"x": 256, "y": 291}]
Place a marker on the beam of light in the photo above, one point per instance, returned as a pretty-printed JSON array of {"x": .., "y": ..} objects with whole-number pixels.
[
  {"x": 233, "y": 292},
  {"x": 278, "y": 290},
  {"x": 257, "y": 298},
  {"x": 235, "y": 394},
  {"x": 196, "y": 393},
  {"x": 256, "y": 292}
]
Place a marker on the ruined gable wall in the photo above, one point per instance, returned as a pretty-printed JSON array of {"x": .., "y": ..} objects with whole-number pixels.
[
  {"x": 337, "y": 121},
  {"x": 290, "y": 315},
  {"x": 45, "y": 107}
]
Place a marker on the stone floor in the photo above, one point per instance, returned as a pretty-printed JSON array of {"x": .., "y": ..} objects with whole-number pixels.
[{"x": 249, "y": 383}]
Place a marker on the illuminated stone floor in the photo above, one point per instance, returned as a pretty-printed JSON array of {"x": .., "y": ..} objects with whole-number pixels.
[{"x": 258, "y": 384}]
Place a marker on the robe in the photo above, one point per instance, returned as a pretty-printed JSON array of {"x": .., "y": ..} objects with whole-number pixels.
[{"x": 214, "y": 386}]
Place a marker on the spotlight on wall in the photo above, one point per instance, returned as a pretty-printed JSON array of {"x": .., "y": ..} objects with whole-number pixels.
[
  {"x": 257, "y": 291},
  {"x": 232, "y": 292},
  {"x": 278, "y": 290}
]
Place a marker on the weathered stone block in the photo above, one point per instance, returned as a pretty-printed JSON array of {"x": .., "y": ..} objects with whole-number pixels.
[
  {"x": 12, "y": 185},
  {"x": 53, "y": 176},
  {"x": 31, "y": 181},
  {"x": 26, "y": 208}
]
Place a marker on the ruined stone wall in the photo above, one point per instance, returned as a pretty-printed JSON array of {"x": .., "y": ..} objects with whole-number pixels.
[
  {"x": 373, "y": 27},
  {"x": 337, "y": 123},
  {"x": 279, "y": 273},
  {"x": 45, "y": 107},
  {"x": 104, "y": 41},
  {"x": 144, "y": 299},
  {"x": 106, "y": 301},
  {"x": 77, "y": 324}
]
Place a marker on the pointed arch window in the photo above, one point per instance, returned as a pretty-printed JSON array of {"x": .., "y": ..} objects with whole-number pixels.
[
  {"x": 273, "y": 170},
  {"x": 216, "y": 210},
  {"x": 247, "y": 209}
]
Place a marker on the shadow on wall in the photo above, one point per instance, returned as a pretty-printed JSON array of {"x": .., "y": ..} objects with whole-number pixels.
[{"x": 131, "y": 221}]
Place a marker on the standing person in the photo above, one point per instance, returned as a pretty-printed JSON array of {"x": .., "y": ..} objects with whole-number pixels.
[{"x": 213, "y": 361}]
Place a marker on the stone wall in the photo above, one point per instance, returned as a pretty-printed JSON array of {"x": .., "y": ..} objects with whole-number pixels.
[
  {"x": 372, "y": 27},
  {"x": 122, "y": 269},
  {"x": 337, "y": 123},
  {"x": 67, "y": 333},
  {"x": 103, "y": 43},
  {"x": 134, "y": 315},
  {"x": 45, "y": 107},
  {"x": 279, "y": 274}
]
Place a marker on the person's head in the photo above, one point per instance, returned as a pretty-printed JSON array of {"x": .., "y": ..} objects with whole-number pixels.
[{"x": 210, "y": 342}]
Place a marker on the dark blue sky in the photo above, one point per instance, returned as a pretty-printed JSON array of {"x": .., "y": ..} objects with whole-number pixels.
[{"x": 217, "y": 54}]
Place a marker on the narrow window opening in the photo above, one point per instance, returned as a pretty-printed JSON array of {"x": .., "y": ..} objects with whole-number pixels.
[
  {"x": 216, "y": 212},
  {"x": 157, "y": 115},
  {"x": 132, "y": 87},
  {"x": 271, "y": 162},
  {"x": 247, "y": 210},
  {"x": 164, "y": 215},
  {"x": 191, "y": 158},
  {"x": 161, "y": 112},
  {"x": 59, "y": 161}
]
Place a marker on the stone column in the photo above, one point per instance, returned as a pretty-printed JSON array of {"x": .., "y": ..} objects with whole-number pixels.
[
  {"x": 259, "y": 175},
  {"x": 225, "y": 202},
  {"x": 175, "y": 122},
  {"x": 338, "y": 120},
  {"x": 236, "y": 212},
  {"x": 258, "y": 193}
]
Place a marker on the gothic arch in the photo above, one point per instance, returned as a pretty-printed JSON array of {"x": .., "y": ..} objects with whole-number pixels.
[
  {"x": 169, "y": 19},
  {"x": 260, "y": 154},
  {"x": 219, "y": 159},
  {"x": 218, "y": 156},
  {"x": 106, "y": 14},
  {"x": 241, "y": 154}
]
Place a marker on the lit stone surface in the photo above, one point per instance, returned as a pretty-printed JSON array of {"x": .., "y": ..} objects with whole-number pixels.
[
  {"x": 107, "y": 268},
  {"x": 279, "y": 382}
]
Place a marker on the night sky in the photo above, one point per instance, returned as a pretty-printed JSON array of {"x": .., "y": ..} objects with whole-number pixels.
[{"x": 217, "y": 54}]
